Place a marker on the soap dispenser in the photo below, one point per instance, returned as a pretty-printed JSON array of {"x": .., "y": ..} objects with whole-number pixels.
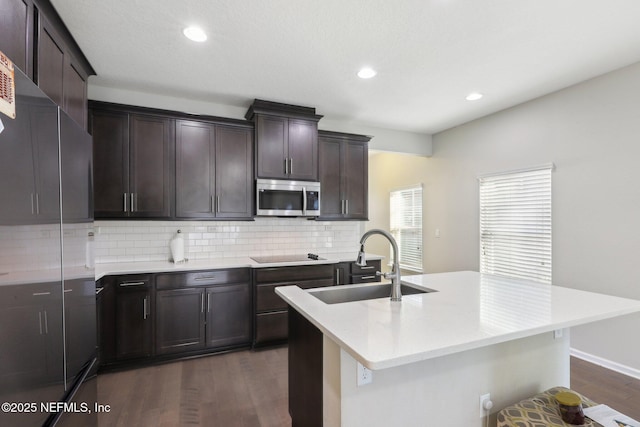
[{"x": 177, "y": 248}]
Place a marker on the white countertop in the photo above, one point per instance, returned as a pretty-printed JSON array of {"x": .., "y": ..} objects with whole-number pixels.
[
  {"x": 218, "y": 263},
  {"x": 469, "y": 311}
]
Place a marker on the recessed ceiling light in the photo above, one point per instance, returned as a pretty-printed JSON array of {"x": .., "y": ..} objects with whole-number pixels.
[
  {"x": 474, "y": 96},
  {"x": 367, "y": 73},
  {"x": 194, "y": 33}
]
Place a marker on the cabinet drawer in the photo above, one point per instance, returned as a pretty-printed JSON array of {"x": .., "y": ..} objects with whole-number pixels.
[
  {"x": 364, "y": 279},
  {"x": 371, "y": 268},
  {"x": 202, "y": 278},
  {"x": 292, "y": 274},
  {"x": 131, "y": 282},
  {"x": 268, "y": 300},
  {"x": 272, "y": 326}
]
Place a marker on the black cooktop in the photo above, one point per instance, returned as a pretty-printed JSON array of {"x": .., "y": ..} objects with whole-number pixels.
[{"x": 285, "y": 258}]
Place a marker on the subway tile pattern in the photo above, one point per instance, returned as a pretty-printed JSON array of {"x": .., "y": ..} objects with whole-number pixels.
[{"x": 130, "y": 241}]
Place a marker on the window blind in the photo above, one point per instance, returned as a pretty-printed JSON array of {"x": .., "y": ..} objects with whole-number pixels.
[
  {"x": 406, "y": 226},
  {"x": 515, "y": 224}
]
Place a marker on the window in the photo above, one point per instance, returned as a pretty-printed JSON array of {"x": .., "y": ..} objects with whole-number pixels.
[
  {"x": 406, "y": 226},
  {"x": 515, "y": 224}
]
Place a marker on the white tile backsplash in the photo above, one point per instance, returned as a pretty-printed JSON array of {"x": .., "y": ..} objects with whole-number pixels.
[{"x": 128, "y": 241}]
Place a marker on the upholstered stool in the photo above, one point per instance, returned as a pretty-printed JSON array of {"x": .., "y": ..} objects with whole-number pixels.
[{"x": 540, "y": 410}]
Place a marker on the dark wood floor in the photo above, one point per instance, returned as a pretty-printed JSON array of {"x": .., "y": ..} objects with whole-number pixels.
[
  {"x": 249, "y": 388},
  {"x": 244, "y": 388},
  {"x": 605, "y": 386}
]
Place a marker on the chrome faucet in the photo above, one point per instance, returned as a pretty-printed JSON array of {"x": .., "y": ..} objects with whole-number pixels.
[{"x": 396, "y": 295}]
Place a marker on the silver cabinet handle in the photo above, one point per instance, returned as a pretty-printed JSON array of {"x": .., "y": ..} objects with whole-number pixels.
[
  {"x": 368, "y": 277},
  {"x": 40, "y": 321},
  {"x": 337, "y": 276},
  {"x": 212, "y": 206},
  {"x": 205, "y": 278},
  {"x": 46, "y": 322},
  {"x": 39, "y": 294},
  {"x": 144, "y": 308},
  {"x": 132, "y": 284},
  {"x": 286, "y": 166},
  {"x": 368, "y": 267},
  {"x": 68, "y": 290},
  {"x": 132, "y": 205},
  {"x": 37, "y": 204},
  {"x": 217, "y": 204},
  {"x": 202, "y": 303},
  {"x": 208, "y": 303},
  {"x": 290, "y": 165},
  {"x": 124, "y": 196},
  {"x": 346, "y": 207},
  {"x": 33, "y": 205}
]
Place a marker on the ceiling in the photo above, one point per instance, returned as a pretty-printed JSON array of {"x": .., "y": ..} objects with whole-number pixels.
[{"x": 429, "y": 54}]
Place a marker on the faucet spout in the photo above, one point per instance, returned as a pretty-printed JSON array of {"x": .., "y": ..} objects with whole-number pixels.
[{"x": 394, "y": 275}]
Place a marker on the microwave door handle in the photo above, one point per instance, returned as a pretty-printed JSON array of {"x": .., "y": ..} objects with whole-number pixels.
[{"x": 304, "y": 201}]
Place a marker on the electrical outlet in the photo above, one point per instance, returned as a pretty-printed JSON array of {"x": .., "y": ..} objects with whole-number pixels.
[
  {"x": 365, "y": 376},
  {"x": 485, "y": 404},
  {"x": 557, "y": 334}
]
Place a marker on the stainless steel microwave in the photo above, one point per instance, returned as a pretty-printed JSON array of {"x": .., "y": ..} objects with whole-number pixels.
[{"x": 276, "y": 197}]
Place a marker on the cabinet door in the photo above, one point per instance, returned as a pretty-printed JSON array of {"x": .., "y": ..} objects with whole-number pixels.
[
  {"x": 133, "y": 324},
  {"x": 303, "y": 149},
  {"x": 271, "y": 146},
  {"x": 228, "y": 315},
  {"x": 16, "y": 17},
  {"x": 50, "y": 65},
  {"x": 331, "y": 202},
  {"x": 150, "y": 167},
  {"x": 233, "y": 175},
  {"x": 179, "y": 320},
  {"x": 355, "y": 180},
  {"x": 75, "y": 92},
  {"x": 194, "y": 169},
  {"x": 110, "y": 132}
]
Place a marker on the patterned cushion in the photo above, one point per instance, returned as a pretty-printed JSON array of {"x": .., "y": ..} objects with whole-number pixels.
[{"x": 540, "y": 410}]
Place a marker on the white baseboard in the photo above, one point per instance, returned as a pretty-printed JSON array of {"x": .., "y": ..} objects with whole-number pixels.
[{"x": 605, "y": 363}]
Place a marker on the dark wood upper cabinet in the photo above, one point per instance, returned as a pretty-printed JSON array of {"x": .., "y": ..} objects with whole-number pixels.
[
  {"x": 110, "y": 130},
  {"x": 133, "y": 164},
  {"x": 150, "y": 166},
  {"x": 16, "y": 33},
  {"x": 343, "y": 165},
  {"x": 34, "y": 37},
  {"x": 234, "y": 172},
  {"x": 75, "y": 101},
  {"x": 213, "y": 170},
  {"x": 286, "y": 140},
  {"x": 50, "y": 63}
]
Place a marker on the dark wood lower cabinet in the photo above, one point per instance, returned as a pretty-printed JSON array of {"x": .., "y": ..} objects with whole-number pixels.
[
  {"x": 151, "y": 317},
  {"x": 133, "y": 324},
  {"x": 271, "y": 310},
  {"x": 179, "y": 320},
  {"x": 228, "y": 315}
]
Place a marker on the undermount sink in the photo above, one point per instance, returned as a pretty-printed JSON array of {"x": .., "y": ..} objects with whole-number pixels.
[{"x": 337, "y": 295}]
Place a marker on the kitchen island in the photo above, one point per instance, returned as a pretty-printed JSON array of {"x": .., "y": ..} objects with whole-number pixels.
[{"x": 434, "y": 354}]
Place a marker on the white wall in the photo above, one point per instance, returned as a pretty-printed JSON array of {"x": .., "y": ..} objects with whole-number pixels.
[{"x": 591, "y": 132}]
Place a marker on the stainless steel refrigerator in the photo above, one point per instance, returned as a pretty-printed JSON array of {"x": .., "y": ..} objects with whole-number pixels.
[{"x": 47, "y": 284}]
